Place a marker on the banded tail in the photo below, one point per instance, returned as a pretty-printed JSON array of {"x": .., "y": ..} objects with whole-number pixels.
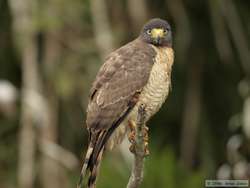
[
  {"x": 92, "y": 160},
  {"x": 95, "y": 150}
]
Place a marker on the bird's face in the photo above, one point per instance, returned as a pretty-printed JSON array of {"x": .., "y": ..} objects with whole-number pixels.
[{"x": 157, "y": 32}]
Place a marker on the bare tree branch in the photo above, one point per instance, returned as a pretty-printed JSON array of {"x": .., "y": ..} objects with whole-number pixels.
[{"x": 136, "y": 176}]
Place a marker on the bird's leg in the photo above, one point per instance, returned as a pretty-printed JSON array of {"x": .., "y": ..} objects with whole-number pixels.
[{"x": 131, "y": 136}]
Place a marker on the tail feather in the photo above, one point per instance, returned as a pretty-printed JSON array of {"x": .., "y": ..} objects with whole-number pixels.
[
  {"x": 95, "y": 171},
  {"x": 95, "y": 150},
  {"x": 92, "y": 160},
  {"x": 85, "y": 165}
]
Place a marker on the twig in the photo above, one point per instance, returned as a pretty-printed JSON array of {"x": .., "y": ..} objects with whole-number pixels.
[{"x": 136, "y": 176}]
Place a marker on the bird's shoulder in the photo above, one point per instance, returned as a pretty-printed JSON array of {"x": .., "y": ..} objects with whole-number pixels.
[{"x": 134, "y": 56}]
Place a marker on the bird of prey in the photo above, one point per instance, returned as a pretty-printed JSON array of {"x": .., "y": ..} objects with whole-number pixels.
[{"x": 137, "y": 73}]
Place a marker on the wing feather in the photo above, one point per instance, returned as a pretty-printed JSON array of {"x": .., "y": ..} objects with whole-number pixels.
[{"x": 124, "y": 73}]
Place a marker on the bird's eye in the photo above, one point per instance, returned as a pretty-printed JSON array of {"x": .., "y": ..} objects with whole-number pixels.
[
  {"x": 165, "y": 31},
  {"x": 149, "y": 31}
]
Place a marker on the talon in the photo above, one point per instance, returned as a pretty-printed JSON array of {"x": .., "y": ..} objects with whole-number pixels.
[
  {"x": 132, "y": 127},
  {"x": 145, "y": 128},
  {"x": 131, "y": 137},
  {"x": 145, "y": 133},
  {"x": 145, "y": 138},
  {"x": 146, "y": 152}
]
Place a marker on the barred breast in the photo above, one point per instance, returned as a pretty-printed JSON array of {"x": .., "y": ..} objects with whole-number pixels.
[
  {"x": 153, "y": 94},
  {"x": 156, "y": 91}
]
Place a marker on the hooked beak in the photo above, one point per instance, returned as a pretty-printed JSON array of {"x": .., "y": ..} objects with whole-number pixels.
[{"x": 157, "y": 34}]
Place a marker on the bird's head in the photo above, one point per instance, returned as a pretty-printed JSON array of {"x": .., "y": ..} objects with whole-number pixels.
[{"x": 157, "y": 32}]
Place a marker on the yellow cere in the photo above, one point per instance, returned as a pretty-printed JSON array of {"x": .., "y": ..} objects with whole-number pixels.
[{"x": 157, "y": 32}]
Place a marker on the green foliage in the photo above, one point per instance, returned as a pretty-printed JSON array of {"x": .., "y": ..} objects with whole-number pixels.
[
  {"x": 162, "y": 169},
  {"x": 114, "y": 172}
]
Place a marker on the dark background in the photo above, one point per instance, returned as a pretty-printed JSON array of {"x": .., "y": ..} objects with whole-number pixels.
[{"x": 50, "y": 52}]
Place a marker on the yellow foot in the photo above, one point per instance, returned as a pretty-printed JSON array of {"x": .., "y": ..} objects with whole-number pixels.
[
  {"x": 145, "y": 133},
  {"x": 145, "y": 139},
  {"x": 132, "y": 127},
  {"x": 146, "y": 150},
  {"x": 132, "y": 135}
]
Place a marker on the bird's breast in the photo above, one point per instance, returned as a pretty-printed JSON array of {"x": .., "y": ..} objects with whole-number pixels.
[
  {"x": 153, "y": 94},
  {"x": 156, "y": 90}
]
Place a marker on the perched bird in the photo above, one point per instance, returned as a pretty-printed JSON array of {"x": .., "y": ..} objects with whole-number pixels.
[{"x": 137, "y": 73}]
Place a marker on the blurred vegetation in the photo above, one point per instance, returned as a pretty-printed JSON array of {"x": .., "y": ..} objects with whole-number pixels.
[{"x": 55, "y": 48}]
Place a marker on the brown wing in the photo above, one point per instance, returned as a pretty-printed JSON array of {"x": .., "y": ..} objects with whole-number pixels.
[{"x": 124, "y": 73}]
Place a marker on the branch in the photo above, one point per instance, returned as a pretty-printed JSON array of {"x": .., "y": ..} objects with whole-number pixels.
[{"x": 136, "y": 176}]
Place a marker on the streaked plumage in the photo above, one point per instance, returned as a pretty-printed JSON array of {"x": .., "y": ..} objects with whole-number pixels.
[{"x": 139, "y": 72}]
